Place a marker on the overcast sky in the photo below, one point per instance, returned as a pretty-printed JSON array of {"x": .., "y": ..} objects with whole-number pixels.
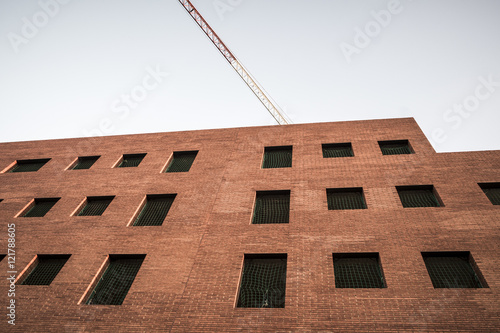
[{"x": 74, "y": 68}]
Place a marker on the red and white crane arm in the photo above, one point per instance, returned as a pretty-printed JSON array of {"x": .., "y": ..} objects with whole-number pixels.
[{"x": 238, "y": 67}]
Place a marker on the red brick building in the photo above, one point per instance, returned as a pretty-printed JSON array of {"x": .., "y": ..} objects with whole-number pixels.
[{"x": 345, "y": 227}]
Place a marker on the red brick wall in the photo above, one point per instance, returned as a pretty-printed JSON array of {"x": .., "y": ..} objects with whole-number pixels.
[{"x": 190, "y": 277}]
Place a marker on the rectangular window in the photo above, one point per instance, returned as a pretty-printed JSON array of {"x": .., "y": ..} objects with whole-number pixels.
[
  {"x": 492, "y": 191},
  {"x": 181, "y": 161},
  {"x": 95, "y": 206},
  {"x": 395, "y": 147},
  {"x": 345, "y": 198},
  {"x": 131, "y": 160},
  {"x": 358, "y": 270},
  {"x": 85, "y": 162},
  {"x": 116, "y": 280},
  {"x": 418, "y": 196},
  {"x": 337, "y": 150},
  {"x": 155, "y": 210},
  {"x": 45, "y": 269},
  {"x": 263, "y": 282},
  {"x": 277, "y": 157},
  {"x": 40, "y": 207},
  {"x": 29, "y": 165},
  {"x": 452, "y": 270},
  {"x": 271, "y": 207}
]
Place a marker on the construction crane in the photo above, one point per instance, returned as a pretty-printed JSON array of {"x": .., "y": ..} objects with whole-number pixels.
[{"x": 273, "y": 109}]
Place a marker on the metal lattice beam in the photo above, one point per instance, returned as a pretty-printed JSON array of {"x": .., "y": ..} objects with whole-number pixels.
[{"x": 273, "y": 109}]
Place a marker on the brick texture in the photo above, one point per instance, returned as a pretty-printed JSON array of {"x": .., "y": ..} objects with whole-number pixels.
[{"x": 189, "y": 279}]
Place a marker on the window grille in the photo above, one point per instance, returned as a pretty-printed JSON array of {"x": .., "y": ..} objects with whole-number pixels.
[
  {"x": 41, "y": 207},
  {"x": 95, "y": 206},
  {"x": 418, "y": 196},
  {"x": 492, "y": 191},
  {"x": 131, "y": 160},
  {"x": 451, "y": 270},
  {"x": 117, "y": 279},
  {"x": 353, "y": 270},
  {"x": 337, "y": 150},
  {"x": 277, "y": 157},
  {"x": 155, "y": 210},
  {"x": 47, "y": 268},
  {"x": 263, "y": 282},
  {"x": 29, "y": 165},
  {"x": 272, "y": 207},
  {"x": 85, "y": 162},
  {"x": 397, "y": 147},
  {"x": 345, "y": 198},
  {"x": 182, "y": 161}
]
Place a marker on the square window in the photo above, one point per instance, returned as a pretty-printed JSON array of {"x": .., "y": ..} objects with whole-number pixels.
[
  {"x": 277, "y": 157},
  {"x": 116, "y": 280},
  {"x": 358, "y": 270},
  {"x": 29, "y": 165},
  {"x": 492, "y": 191},
  {"x": 95, "y": 206},
  {"x": 418, "y": 196},
  {"x": 345, "y": 198},
  {"x": 181, "y": 161},
  {"x": 337, "y": 150},
  {"x": 395, "y": 147},
  {"x": 85, "y": 162},
  {"x": 40, "y": 207},
  {"x": 131, "y": 160},
  {"x": 452, "y": 270},
  {"x": 271, "y": 207},
  {"x": 45, "y": 269},
  {"x": 155, "y": 210},
  {"x": 263, "y": 282}
]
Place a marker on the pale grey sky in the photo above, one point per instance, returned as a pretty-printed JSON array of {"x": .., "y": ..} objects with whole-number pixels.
[{"x": 73, "y": 68}]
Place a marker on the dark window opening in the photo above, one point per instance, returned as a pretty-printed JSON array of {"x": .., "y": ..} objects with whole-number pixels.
[
  {"x": 271, "y": 207},
  {"x": 95, "y": 206},
  {"x": 131, "y": 160},
  {"x": 277, "y": 157},
  {"x": 395, "y": 147},
  {"x": 453, "y": 270},
  {"x": 345, "y": 198},
  {"x": 47, "y": 266},
  {"x": 155, "y": 210},
  {"x": 337, "y": 150},
  {"x": 181, "y": 161},
  {"x": 116, "y": 280},
  {"x": 85, "y": 162},
  {"x": 29, "y": 165},
  {"x": 418, "y": 196},
  {"x": 492, "y": 191},
  {"x": 41, "y": 207},
  {"x": 358, "y": 270},
  {"x": 263, "y": 282}
]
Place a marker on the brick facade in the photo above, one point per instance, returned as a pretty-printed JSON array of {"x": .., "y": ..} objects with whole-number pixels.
[{"x": 189, "y": 279}]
